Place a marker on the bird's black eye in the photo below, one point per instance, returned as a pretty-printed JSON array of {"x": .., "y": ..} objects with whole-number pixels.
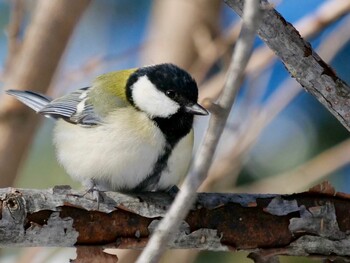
[{"x": 170, "y": 93}]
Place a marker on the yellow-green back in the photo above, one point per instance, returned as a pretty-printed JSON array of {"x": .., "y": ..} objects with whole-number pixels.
[
  {"x": 109, "y": 88},
  {"x": 114, "y": 82}
]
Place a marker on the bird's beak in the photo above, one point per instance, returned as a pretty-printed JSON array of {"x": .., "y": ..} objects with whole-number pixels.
[{"x": 196, "y": 109}]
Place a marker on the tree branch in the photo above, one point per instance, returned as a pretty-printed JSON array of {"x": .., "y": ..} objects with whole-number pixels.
[
  {"x": 309, "y": 223},
  {"x": 309, "y": 26},
  {"x": 302, "y": 62},
  {"x": 225, "y": 169}
]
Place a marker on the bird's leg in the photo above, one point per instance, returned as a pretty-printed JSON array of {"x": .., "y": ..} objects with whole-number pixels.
[
  {"x": 96, "y": 194},
  {"x": 90, "y": 184},
  {"x": 91, "y": 187}
]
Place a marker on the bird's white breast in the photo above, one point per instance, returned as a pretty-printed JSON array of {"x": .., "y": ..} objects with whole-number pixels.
[
  {"x": 121, "y": 152},
  {"x": 178, "y": 163}
]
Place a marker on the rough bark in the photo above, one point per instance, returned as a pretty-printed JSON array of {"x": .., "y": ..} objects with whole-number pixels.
[
  {"x": 302, "y": 62},
  {"x": 309, "y": 223}
]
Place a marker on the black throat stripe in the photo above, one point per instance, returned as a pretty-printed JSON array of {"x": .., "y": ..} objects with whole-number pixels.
[
  {"x": 151, "y": 181},
  {"x": 174, "y": 129}
]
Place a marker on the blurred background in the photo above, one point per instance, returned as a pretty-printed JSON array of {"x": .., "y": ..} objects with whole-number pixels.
[{"x": 279, "y": 139}]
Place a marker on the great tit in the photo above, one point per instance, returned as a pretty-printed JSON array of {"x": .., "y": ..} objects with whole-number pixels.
[{"x": 131, "y": 131}]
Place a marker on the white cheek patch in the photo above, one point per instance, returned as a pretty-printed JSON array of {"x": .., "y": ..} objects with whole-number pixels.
[{"x": 152, "y": 101}]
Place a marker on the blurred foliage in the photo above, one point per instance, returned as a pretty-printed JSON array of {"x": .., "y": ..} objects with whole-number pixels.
[
  {"x": 111, "y": 36},
  {"x": 41, "y": 169}
]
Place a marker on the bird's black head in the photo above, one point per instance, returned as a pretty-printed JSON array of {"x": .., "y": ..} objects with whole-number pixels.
[
  {"x": 163, "y": 90},
  {"x": 168, "y": 95}
]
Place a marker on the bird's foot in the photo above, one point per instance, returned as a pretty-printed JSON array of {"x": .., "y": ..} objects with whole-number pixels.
[{"x": 96, "y": 195}]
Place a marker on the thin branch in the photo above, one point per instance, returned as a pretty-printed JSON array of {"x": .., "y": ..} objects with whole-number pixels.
[
  {"x": 244, "y": 139},
  {"x": 308, "y": 26},
  {"x": 186, "y": 197},
  {"x": 90, "y": 67},
  {"x": 306, "y": 174},
  {"x": 330, "y": 48},
  {"x": 303, "y": 63}
]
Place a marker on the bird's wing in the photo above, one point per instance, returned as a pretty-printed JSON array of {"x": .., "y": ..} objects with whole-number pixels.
[
  {"x": 75, "y": 107},
  {"x": 34, "y": 100},
  {"x": 87, "y": 106},
  {"x": 66, "y": 106}
]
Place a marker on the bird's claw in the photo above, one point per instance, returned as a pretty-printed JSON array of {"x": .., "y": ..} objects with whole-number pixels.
[{"x": 96, "y": 195}]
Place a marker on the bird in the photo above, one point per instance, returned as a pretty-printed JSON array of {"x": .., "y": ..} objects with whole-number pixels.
[{"x": 130, "y": 131}]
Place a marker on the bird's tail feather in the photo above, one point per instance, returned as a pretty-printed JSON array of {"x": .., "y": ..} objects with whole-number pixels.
[{"x": 33, "y": 100}]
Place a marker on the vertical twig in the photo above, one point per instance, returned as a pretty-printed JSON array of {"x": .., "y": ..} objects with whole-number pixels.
[{"x": 220, "y": 111}]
